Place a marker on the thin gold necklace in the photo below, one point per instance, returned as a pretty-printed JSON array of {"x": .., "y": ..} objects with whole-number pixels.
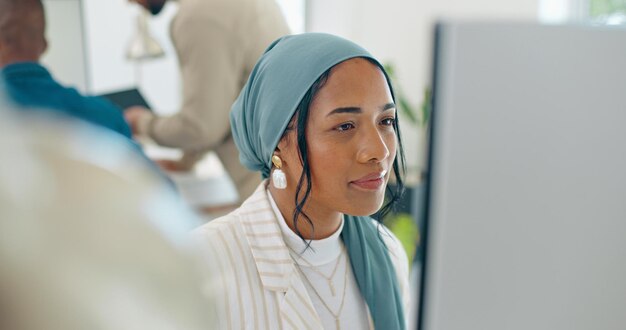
[
  {"x": 343, "y": 297},
  {"x": 329, "y": 279}
]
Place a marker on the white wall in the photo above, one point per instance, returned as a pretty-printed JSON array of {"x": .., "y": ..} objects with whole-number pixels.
[
  {"x": 561, "y": 11},
  {"x": 88, "y": 41},
  {"x": 110, "y": 26},
  {"x": 294, "y": 12},
  {"x": 65, "y": 57},
  {"x": 400, "y": 31}
]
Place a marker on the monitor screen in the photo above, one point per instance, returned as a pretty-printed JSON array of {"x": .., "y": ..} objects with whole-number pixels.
[{"x": 526, "y": 192}]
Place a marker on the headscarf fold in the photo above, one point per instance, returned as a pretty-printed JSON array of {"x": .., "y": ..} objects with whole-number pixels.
[{"x": 259, "y": 117}]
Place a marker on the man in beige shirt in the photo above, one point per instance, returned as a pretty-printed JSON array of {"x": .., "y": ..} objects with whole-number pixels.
[{"x": 218, "y": 43}]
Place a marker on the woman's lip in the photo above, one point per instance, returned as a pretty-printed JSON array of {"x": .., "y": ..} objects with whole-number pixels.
[
  {"x": 371, "y": 176},
  {"x": 374, "y": 184},
  {"x": 371, "y": 181}
]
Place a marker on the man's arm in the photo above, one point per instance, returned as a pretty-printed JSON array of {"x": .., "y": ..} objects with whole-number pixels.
[{"x": 210, "y": 68}]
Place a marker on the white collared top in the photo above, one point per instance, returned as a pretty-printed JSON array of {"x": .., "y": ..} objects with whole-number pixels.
[
  {"x": 255, "y": 282},
  {"x": 324, "y": 255}
]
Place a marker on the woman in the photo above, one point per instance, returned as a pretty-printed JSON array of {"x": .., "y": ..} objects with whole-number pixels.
[{"x": 317, "y": 118}]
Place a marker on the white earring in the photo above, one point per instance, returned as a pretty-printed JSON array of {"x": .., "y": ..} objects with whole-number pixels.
[{"x": 278, "y": 176}]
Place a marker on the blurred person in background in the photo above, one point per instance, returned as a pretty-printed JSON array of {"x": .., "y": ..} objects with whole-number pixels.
[
  {"x": 29, "y": 85},
  {"x": 217, "y": 43},
  {"x": 90, "y": 238}
]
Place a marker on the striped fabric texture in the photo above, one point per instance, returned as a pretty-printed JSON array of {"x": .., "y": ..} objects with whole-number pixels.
[{"x": 254, "y": 282}]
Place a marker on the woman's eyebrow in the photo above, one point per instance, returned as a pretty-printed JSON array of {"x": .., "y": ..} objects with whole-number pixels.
[
  {"x": 345, "y": 110},
  {"x": 388, "y": 106},
  {"x": 359, "y": 110}
]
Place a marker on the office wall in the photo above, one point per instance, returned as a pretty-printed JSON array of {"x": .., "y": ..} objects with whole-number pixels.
[
  {"x": 109, "y": 27},
  {"x": 88, "y": 41},
  {"x": 400, "y": 31},
  {"x": 65, "y": 56}
]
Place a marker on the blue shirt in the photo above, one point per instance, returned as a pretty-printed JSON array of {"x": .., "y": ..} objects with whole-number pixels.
[{"x": 31, "y": 86}]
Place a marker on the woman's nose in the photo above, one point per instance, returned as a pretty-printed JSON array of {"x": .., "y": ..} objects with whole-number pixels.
[{"x": 372, "y": 147}]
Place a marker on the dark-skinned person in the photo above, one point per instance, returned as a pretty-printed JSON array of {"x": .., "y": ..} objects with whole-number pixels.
[{"x": 317, "y": 118}]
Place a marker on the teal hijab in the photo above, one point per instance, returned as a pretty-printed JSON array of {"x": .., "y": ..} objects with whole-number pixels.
[{"x": 259, "y": 117}]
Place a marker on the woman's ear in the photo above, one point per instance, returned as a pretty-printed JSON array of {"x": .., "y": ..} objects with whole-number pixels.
[
  {"x": 281, "y": 153},
  {"x": 284, "y": 150},
  {"x": 284, "y": 143},
  {"x": 289, "y": 135},
  {"x": 276, "y": 152}
]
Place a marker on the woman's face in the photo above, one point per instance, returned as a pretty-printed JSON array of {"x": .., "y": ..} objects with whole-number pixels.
[{"x": 351, "y": 141}]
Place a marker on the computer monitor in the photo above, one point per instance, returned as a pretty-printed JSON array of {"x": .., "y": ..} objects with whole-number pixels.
[{"x": 526, "y": 191}]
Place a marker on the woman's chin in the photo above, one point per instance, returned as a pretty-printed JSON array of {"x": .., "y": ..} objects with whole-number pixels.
[{"x": 366, "y": 210}]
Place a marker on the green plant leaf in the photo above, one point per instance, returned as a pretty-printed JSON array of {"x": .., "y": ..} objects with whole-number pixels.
[{"x": 405, "y": 229}]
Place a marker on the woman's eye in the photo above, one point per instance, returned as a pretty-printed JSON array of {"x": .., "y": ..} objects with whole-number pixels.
[
  {"x": 388, "y": 121},
  {"x": 345, "y": 127}
]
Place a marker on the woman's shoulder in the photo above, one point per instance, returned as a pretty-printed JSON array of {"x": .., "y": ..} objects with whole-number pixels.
[
  {"x": 212, "y": 228},
  {"x": 222, "y": 241}
]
